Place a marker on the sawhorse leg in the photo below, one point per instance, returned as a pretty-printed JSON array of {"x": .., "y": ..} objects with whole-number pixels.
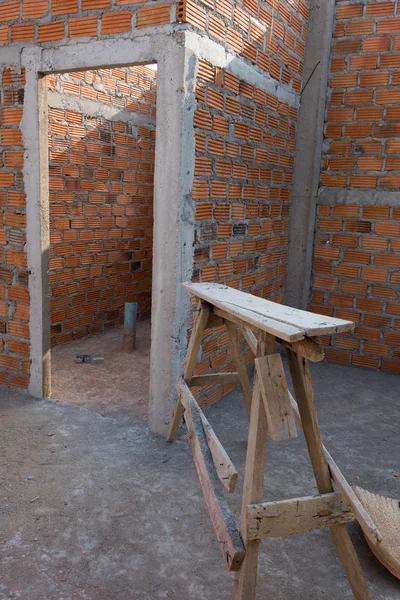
[
  {"x": 246, "y": 577},
  {"x": 302, "y": 385},
  {"x": 199, "y": 325}
]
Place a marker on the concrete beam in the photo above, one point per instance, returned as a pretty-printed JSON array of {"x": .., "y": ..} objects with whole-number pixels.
[
  {"x": 334, "y": 196},
  {"x": 308, "y": 152},
  {"x": 94, "y": 108}
]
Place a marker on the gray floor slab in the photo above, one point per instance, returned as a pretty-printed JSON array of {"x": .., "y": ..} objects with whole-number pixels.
[{"x": 93, "y": 507}]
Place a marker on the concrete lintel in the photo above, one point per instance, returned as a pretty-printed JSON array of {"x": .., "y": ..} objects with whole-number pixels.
[
  {"x": 95, "y": 54},
  {"x": 334, "y": 196},
  {"x": 218, "y": 56},
  {"x": 308, "y": 152},
  {"x": 94, "y": 108}
]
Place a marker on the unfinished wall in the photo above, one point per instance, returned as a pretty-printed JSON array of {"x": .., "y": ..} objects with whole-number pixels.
[
  {"x": 101, "y": 175},
  {"x": 357, "y": 244},
  {"x": 14, "y": 292},
  {"x": 270, "y": 35},
  {"x": 242, "y": 190}
]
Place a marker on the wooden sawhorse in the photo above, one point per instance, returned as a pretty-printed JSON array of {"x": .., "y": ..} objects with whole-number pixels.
[{"x": 271, "y": 408}]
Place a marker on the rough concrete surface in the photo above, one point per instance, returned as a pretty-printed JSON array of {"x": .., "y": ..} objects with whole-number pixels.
[
  {"x": 113, "y": 512},
  {"x": 119, "y": 386}
]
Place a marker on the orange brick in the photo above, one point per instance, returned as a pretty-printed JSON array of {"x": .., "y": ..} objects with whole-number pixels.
[
  {"x": 349, "y": 11},
  {"x": 376, "y": 212},
  {"x": 364, "y": 361},
  {"x": 376, "y": 44},
  {"x": 152, "y": 16},
  {"x": 361, "y": 27},
  {"x": 9, "y": 11},
  {"x": 344, "y": 115},
  {"x": 64, "y": 7},
  {"x": 344, "y": 80},
  {"x": 371, "y": 274},
  {"x": 95, "y": 4},
  {"x": 357, "y": 256},
  {"x": 50, "y": 32},
  {"x": 378, "y": 78},
  {"x": 368, "y": 61},
  {"x": 22, "y": 32},
  {"x": 83, "y": 27},
  {"x": 346, "y": 210},
  {"x": 370, "y": 163},
  {"x": 388, "y": 26},
  {"x": 34, "y": 9}
]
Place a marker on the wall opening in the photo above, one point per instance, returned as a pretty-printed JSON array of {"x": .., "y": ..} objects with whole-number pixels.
[{"x": 101, "y": 157}]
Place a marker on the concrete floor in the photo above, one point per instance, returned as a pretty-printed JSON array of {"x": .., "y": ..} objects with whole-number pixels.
[
  {"x": 118, "y": 386},
  {"x": 93, "y": 507}
]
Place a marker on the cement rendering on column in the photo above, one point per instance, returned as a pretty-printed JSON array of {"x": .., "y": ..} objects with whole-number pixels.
[{"x": 97, "y": 508}]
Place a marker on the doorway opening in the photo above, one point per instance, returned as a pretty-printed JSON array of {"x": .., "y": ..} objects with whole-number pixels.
[{"x": 101, "y": 153}]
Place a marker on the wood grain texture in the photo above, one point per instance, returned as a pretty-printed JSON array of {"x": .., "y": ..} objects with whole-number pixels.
[
  {"x": 228, "y": 536},
  {"x": 240, "y": 365},
  {"x": 298, "y": 515},
  {"x": 275, "y": 395},
  {"x": 230, "y": 299}
]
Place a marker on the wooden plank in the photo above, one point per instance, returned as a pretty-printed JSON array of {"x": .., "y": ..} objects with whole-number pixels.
[
  {"x": 346, "y": 490},
  {"x": 308, "y": 348},
  {"x": 227, "y": 534},
  {"x": 246, "y": 578},
  {"x": 311, "y": 324},
  {"x": 240, "y": 365},
  {"x": 214, "y": 321},
  {"x": 248, "y": 318},
  {"x": 199, "y": 325},
  {"x": 301, "y": 378},
  {"x": 226, "y": 472},
  {"x": 298, "y": 515},
  {"x": 212, "y": 378},
  {"x": 272, "y": 382}
]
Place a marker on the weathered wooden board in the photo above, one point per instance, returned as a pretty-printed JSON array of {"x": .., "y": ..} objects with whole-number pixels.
[
  {"x": 275, "y": 395},
  {"x": 226, "y": 472},
  {"x": 287, "y": 517},
  {"x": 231, "y": 299},
  {"x": 228, "y": 536}
]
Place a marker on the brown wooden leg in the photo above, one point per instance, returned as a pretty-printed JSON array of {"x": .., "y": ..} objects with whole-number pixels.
[
  {"x": 302, "y": 385},
  {"x": 246, "y": 577},
  {"x": 240, "y": 364},
  {"x": 199, "y": 325}
]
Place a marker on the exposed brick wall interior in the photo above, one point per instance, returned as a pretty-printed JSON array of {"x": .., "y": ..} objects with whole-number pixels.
[
  {"x": 101, "y": 204},
  {"x": 270, "y": 35},
  {"x": 242, "y": 191},
  {"x": 24, "y": 22},
  {"x": 14, "y": 292},
  {"x": 357, "y": 245}
]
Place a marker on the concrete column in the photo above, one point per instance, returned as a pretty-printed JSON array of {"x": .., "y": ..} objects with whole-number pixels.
[
  {"x": 173, "y": 228},
  {"x": 309, "y": 138}
]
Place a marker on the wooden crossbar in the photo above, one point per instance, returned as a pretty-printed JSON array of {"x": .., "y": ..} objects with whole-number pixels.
[
  {"x": 272, "y": 409},
  {"x": 298, "y": 515}
]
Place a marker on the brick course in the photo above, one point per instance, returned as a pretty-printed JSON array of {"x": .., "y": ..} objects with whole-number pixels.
[{"x": 270, "y": 35}]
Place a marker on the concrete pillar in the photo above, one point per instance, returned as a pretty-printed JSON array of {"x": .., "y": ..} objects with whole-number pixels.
[{"x": 308, "y": 152}]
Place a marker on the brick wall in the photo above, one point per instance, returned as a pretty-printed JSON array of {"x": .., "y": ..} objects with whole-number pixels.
[
  {"x": 14, "y": 293},
  {"x": 101, "y": 204},
  {"x": 242, "y": 190},
  {"x": 40, "y": 21},
  {"x": 357, "y": 243},
  {"x": 270, "y": 35}
]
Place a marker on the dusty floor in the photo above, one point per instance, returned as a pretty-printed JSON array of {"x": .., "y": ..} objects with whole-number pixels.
[
  {"x": 118, "y": 386},
  {"x": 93, "y": 507}
]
